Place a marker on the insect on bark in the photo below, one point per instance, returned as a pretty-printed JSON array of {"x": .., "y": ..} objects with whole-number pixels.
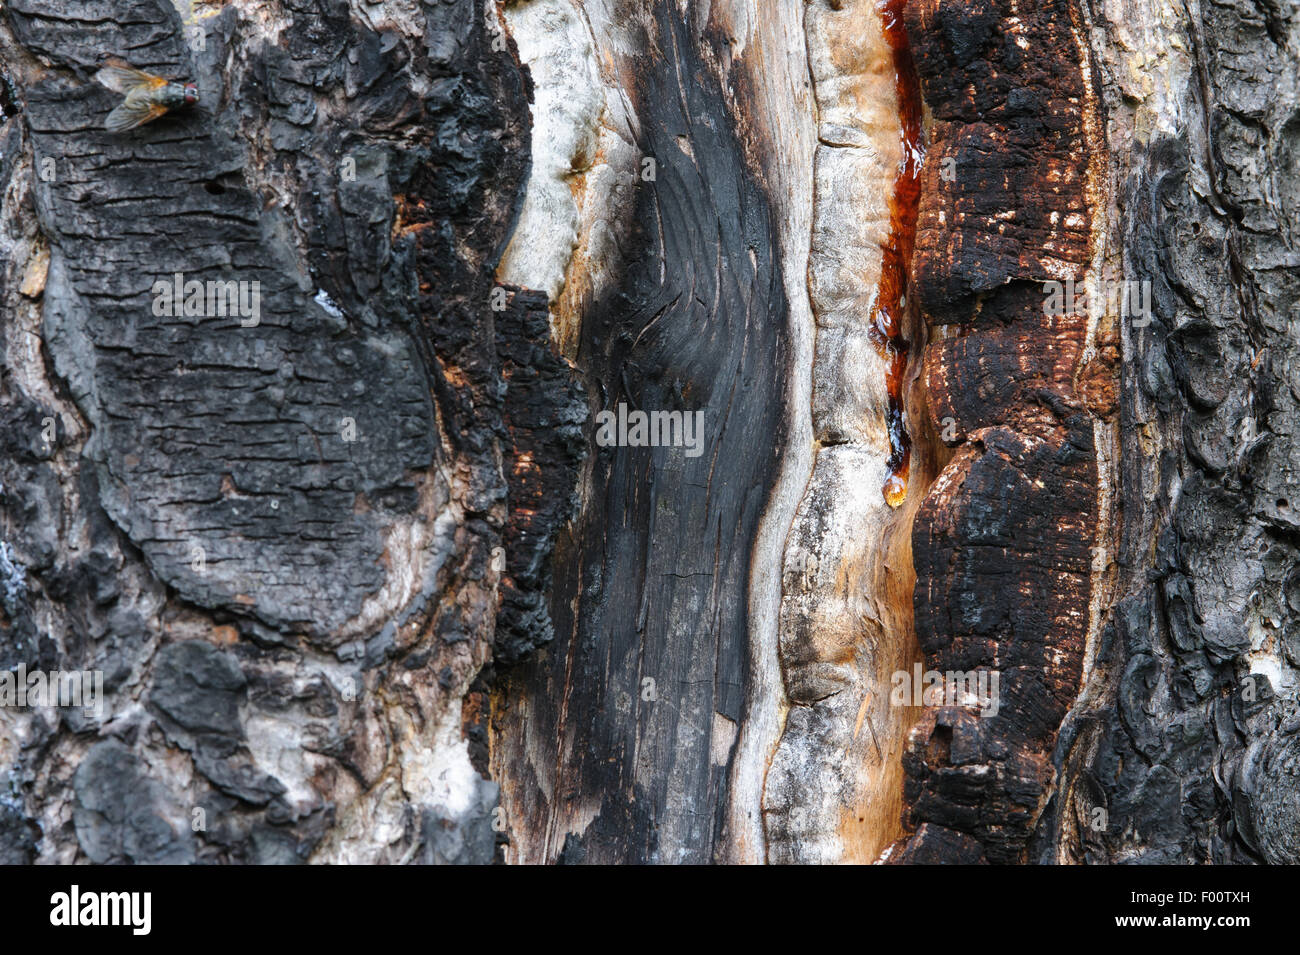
[{"x": 146, "y": 96}]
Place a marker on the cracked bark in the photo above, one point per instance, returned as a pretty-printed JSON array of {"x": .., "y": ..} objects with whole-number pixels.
[
  {"x": 365, "y": 586},
  {"x": 281, "y": 543}
]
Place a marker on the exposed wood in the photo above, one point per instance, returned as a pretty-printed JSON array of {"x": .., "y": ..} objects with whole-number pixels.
[
  {"x": 834, "y": 789},
  {"x": 376, "y": 563},
  {"x": 617, "y": 739}
]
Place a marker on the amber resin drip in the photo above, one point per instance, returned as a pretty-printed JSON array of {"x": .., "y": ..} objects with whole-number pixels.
[{"x": 891, "y": 297}]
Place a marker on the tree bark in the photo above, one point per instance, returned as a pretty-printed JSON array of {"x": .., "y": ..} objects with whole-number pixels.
[{"x": 969, "y": 327}]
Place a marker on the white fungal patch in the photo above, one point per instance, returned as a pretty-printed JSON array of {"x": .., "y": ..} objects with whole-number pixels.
[{"x": 324, "y": 301}]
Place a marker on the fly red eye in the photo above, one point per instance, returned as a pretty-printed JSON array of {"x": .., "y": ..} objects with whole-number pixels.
[{"x": 191, "y": 93}]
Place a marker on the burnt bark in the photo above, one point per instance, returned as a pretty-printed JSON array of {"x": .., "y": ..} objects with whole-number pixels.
[
  {"x": 644, "y": 686},
  {"x": 277, "y": 534},
  {"x": 1187, "y": 745},
  {"x": 368, "y": 578}
]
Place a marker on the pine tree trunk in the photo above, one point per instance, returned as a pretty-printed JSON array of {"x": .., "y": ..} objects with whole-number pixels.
[{"x": 962, "y": 333}]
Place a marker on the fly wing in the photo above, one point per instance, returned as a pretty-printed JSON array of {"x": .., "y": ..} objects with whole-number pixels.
[
  {"x": 129, "y": 115},
  {"x": 121, "y": 77}
]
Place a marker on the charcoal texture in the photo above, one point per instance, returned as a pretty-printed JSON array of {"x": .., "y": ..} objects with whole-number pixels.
[
  {"x": 272, "y": 529},
  {"x": 1003, "y": 542},
  {"x": 1187, "y": 754},
  {"x": 651, "y": 584}
]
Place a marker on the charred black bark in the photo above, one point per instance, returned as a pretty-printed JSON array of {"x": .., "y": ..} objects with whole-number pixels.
[
  {"x": 271, "y": 527},
  {"x": 643, "y": 686},
  {"x": 544, "y": 416},
  {"x": 1187, "y": 752}
]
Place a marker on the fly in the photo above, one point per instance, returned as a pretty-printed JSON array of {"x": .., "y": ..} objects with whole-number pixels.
[{"x": 146, "y": 96}]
